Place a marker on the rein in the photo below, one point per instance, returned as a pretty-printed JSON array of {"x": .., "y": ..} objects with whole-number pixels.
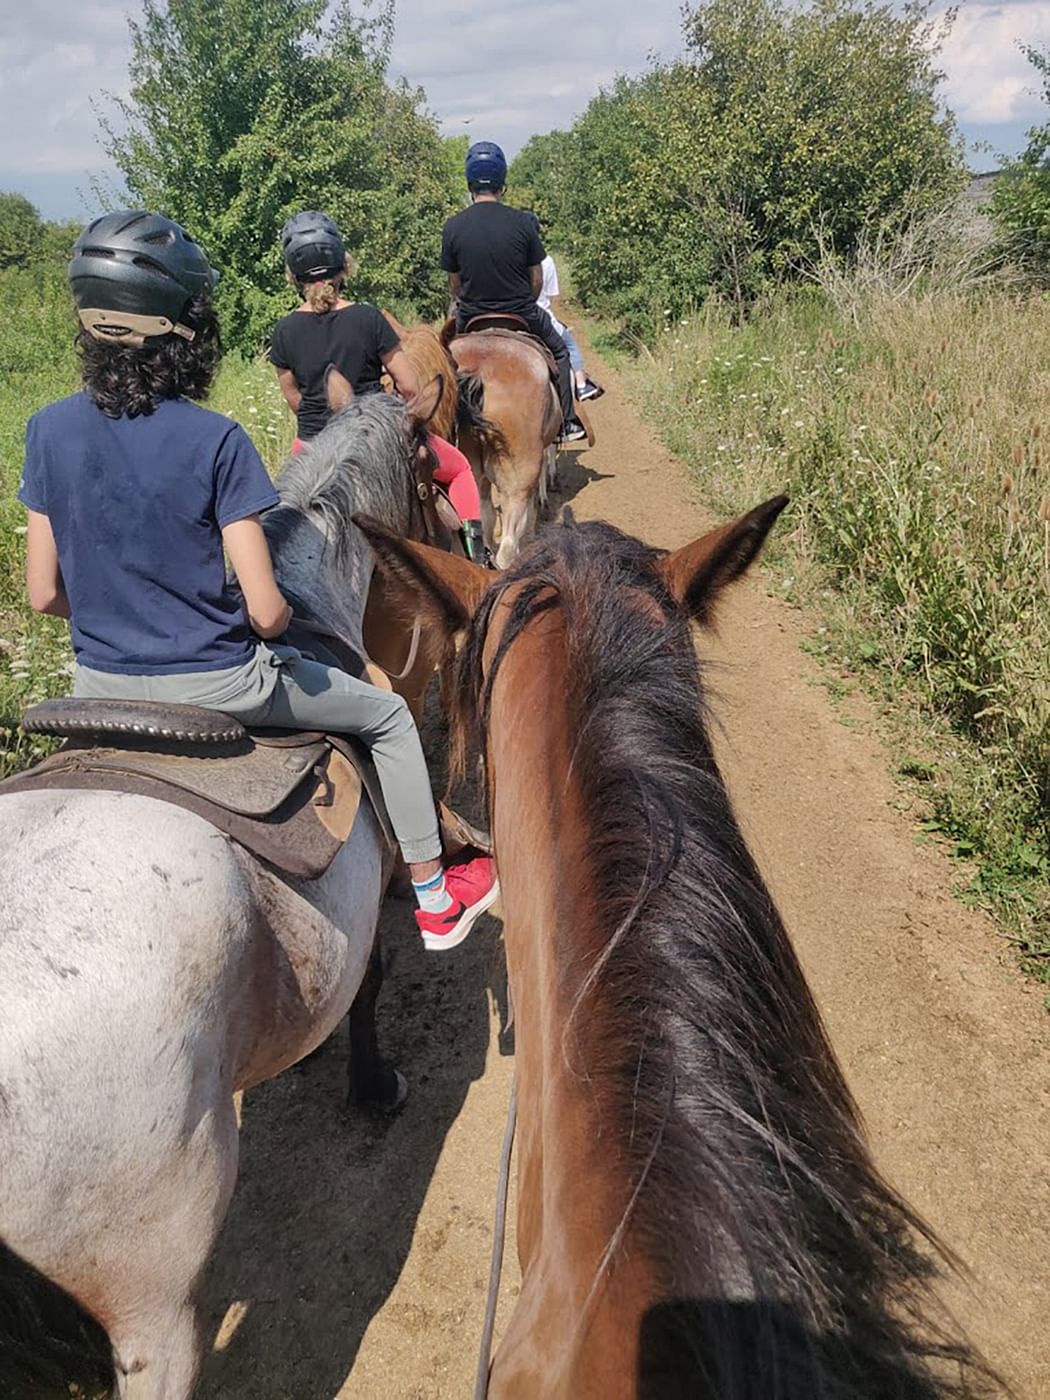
[
  {"x": 318, "y": 629},
  {"x": 499, "y": 1236}
]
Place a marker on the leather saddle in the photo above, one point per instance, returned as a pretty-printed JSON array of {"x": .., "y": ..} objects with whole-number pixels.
[{"x": 291, "y": 799}]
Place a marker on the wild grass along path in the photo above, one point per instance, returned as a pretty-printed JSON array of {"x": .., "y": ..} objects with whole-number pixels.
[{"x": 355, "y": 1256}]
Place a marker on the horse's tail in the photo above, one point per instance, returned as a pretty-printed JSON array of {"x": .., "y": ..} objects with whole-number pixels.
[
  {"x": 48, "y": 1343},
  {"x": 470, "y": 418}
]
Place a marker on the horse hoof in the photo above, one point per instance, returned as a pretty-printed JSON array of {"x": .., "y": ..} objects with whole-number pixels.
[
  {"x": 390, "y": 1099},
  {"x": 400, "y": 1098}
]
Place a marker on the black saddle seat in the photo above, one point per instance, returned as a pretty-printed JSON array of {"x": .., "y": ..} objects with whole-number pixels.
[
  {"x": 496, "y": 321},
  {"x": 134, "y": 723}
]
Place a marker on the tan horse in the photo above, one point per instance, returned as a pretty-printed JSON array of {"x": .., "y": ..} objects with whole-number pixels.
[
  {"x": 523, "y": 404},
  {"x": 699, "y": 1216}
]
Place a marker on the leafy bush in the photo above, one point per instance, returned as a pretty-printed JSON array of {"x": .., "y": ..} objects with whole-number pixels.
[
  {"x": 21, "y": 231},
  {"x": 1021, "y": 198},
  {"x": 713, "y": 174},
  {"x": 242, "y": 112}
]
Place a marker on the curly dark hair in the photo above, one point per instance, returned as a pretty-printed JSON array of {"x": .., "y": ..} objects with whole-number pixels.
[{"x": 122, "y": 379}]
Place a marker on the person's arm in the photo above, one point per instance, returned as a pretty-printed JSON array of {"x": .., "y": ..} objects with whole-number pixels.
[
  {"x": 47, "y": 592},
  {"x": 268, "y": 610},
  {"x": 290, "y": 389},
  {"x": 402, "y": 371},
  {"x": 536, "y": 280},
  {"x": 450, "y": 261}
]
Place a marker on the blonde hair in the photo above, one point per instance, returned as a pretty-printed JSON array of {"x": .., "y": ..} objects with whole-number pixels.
[{"x": 323, "y": 295}]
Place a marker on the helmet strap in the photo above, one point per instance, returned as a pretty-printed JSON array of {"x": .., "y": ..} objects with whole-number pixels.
[{"x": 128, "y": 328}]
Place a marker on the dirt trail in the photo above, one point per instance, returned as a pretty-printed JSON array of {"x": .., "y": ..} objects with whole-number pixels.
[{"x": 355, "y": 1257}]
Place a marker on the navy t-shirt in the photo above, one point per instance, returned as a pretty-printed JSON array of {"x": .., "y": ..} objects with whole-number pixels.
[{"x": 137, "y": 506}]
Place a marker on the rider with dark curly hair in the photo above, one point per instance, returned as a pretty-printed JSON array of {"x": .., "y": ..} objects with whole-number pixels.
[{"x": 134, "y": 492}]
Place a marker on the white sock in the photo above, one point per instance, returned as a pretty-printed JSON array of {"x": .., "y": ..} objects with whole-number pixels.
[{"x": 432, "y": 895}]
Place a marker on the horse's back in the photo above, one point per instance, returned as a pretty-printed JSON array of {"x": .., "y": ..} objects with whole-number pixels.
[
  {"x": 513, "y": 361},
  {"x": 124, "y": 924}
]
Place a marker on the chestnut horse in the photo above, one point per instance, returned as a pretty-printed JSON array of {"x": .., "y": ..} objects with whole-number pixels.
[{"x": 698, "y": 1211}]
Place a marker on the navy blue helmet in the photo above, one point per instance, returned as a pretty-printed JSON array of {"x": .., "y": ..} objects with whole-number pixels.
[{"x": 486, "y": 166}]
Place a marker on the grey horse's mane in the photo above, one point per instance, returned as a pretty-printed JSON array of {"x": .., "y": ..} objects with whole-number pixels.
[{"x": 360, "y": 463}]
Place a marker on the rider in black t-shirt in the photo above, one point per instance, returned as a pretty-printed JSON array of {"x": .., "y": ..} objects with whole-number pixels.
[
  {"x": 493, "y": 255},
  {"x": 328, "y": 332}
]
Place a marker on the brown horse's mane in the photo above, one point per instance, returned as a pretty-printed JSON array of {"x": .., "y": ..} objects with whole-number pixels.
[
  {"x": 791, "y": 1270},
  {"x": 460, "y": 408}
]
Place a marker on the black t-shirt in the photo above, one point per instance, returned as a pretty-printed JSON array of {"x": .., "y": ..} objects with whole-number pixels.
[
  {"x": 492, "y": 247},
  {"x": 354, "y": 339}
]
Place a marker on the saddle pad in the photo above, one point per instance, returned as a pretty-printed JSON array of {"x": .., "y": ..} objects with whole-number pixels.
[
  {"x": 253, "y": 783},
  {"x": 300, "y": 837}
]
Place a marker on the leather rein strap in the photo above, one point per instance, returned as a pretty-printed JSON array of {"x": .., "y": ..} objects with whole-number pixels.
[
  {"x": 320, "y": 630},
  {"x": 499, "y": 1236}
]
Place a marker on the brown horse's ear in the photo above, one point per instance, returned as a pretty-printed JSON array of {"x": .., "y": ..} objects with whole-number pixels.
[
  {"x": 394, "y": 324},
  {"x": 446, "y": 588},
  {"x": 426, "y": 402},
  {"x": 697, "y": 573},
  {"x": 338, "y": 390}
]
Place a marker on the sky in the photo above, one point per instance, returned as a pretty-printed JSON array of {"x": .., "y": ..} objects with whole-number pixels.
[{"x": 495, "y": 69}]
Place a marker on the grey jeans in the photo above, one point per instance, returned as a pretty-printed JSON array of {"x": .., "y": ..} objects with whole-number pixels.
[{"x": 281, "y": 689}]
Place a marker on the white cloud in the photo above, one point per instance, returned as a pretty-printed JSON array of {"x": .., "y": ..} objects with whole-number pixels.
[
  {"x": 500, "y": 70},
  {"x": 989, "y": 80},
  {"x": 504, "y": 70}
]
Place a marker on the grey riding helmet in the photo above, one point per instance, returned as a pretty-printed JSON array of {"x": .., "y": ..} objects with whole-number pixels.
[
  {"x": 133, "y": 274},
  {"x": 313, "y": 247}
]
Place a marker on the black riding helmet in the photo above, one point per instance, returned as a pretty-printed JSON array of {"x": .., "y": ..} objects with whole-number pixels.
[
  {"x": 313, "y": 247},
  {"x": 133, "y": 274}
]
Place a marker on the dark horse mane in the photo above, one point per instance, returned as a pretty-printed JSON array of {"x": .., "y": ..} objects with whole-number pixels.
[{"x": 790, "y": 1268}]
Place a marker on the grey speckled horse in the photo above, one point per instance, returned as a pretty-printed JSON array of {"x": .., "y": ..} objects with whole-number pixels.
[{"x": 149, "y": 968}]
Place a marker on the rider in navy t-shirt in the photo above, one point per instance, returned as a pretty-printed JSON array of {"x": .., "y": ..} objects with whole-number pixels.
[{"x": 137, "y": 507}]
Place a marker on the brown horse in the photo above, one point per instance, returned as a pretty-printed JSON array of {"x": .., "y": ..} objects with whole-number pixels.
[
  {"x": 698, "y": 1211},
  {"x": 518, "y": 397}
]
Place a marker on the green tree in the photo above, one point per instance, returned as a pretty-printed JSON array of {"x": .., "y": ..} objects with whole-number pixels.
[
  {"x": 243, "y": 111},
  {"x": 21, "y": 231},
  {"x": 1021, "y": 200},
  {"x": 534, "y": 180},
  {"x": 712, "y": 174}
]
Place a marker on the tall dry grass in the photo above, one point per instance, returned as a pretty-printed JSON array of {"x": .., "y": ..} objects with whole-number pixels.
[{"x": 913, "y": 434}]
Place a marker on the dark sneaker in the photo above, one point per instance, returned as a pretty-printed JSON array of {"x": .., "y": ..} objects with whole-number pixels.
[
  {"x": 473, "y": 888},
  {"x": 590, "y": 391},
  {"x": 573, "y": 433}
]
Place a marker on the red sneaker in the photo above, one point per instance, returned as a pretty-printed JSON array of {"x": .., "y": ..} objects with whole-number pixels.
[{"x": 473, "y": 888}]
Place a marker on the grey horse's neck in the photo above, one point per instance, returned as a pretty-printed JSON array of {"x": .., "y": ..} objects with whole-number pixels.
[{"x": 360, "y": 464}]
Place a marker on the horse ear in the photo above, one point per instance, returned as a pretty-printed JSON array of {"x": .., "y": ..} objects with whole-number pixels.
[
  {"x": 443, "y": 586},
  {"x": 394, "y": 324},
  {"x": 697, "y": 573},
  {"x": 427, "y": 401},
  {"x": 338, "y": 390}
]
